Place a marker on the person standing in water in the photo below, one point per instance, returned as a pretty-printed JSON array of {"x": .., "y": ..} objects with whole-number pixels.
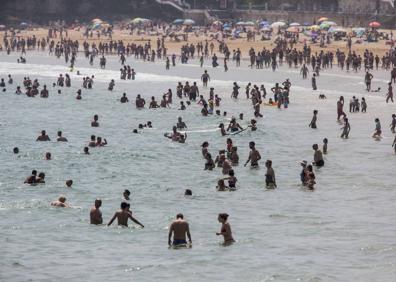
[
  {"x": 179, "y": 228},
  {"x": 367, "y": 79},
  {"x": 314, "y": 87},
  {"x": 314, "y": 119},
  {"x": 123, "y": 215},
  {"x": 95, "y": 213},
  {"x": 270, "y": 181},
  {"x": 225, "y": 230},
  {"x": 377, "y": 132},
  {"x": 389, "y": 95},
  {"x": 254, "y": 155},
  {"x": 205, "y": 78},
  {"x": 318, "y": 156},
  {"x": 346, "y": 129},
  {"x": 340, "y": 108},
  {"x": 393, "y": 123}
]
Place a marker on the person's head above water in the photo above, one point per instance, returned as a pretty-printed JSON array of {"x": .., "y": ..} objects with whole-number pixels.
[
  {"x": 188, "y": 192},
  {"x": 179, "y": 216},
  {"x": 16, "y": 150}
]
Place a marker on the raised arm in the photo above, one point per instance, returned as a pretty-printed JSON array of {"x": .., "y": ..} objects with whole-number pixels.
[{"x": 170, "y": 234}]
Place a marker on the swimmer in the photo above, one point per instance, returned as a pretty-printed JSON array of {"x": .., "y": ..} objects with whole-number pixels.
[
  {"x": 346, "y": 129},
  {"x": 180, "y": 123},
  {"x": 123, "y": 215},
  {"x": 61, "y": 203},
  {"x": 222, "y": 130},
  {"x": 188, "y": 192},
  {"x": 232, "y": 180},
  {"x": 253, "y": 125},
  {"x": 40, "y": 178},
  {"x": 270, "y": 181},
  {"x": 393, "y": 123},
  {"x": 99, "y": 142},
  {"x": 32, "y": 179},
  {"x": 60, "y": 137},
  {"x": 92, "y": 143},
  {"x": 140, "y": 102},
  {"x": 126, "y": 195},
  {"x": 86, "y": 150},
  {"x": 254, "y": 155},
  {"x": 79, "y": 97},
  {"x": 182, "y": 106},
  {"x": 394, "y": 144},
  {"x": 48, "y": 156},
  {"x": 318, "y": 156},
  {"x": 310, "y": 177},
  {"x": 234, "y": 156},
  {"x": 153, "y": 104},
  {"x": 221, "y": 185},
  {"x": 322, "y": 96},
  {"x": 377, "y": 133},
  {"x": 209, "y": 165},
  {"x": 225, "y": 230},
  {"x": 95, "y": 122},
  {"x": 183, "y": 138},
  {"x": 314, "y": 119},
  {"x": 69, "y": 183},
  {"x": 16, "y": 150},
  {"x": 303, "y": 173},
  {"x": 179, "y": 228},
  {"x": 95, "y": 214},
  {"x": 324, "y": 148},
  {"x": 43, "y": 136},
  {"x": 124, "y": 98},
  {"x": 204, "y": 149},
  {"x": 234, "y": 126}
]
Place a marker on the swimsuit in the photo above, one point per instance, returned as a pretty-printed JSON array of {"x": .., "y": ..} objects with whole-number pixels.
[{"x": 177, "y": 242}]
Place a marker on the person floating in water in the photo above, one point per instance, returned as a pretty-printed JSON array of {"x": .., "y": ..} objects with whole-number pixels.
[{"x": 179, "y": 228}]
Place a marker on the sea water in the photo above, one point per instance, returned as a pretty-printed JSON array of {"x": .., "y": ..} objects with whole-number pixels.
[{"x": 343, "y": 231}]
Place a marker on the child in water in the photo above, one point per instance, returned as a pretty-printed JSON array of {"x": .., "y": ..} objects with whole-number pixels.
[
  {"x": 221, "y": 185},
  {"x": 325, "y": 142},
  {"x": 314, "y": 118}
]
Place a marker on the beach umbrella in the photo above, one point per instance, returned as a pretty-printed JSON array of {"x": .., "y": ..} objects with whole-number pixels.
[
  {"x": 278, "y": 24},
  {"x": 336, "y": 29},
  {"x": 294, "y": 24},
  {"x": 188, "y": 22},
  {"x": 324, "y": 25},
  {"x": 96, "y": 20},
  {"x": 374, "y": 24},
  {"x": 266, "y": 28},
  {"x": 23, "y": 24},
  {"x": 306, "y": 24},
  {"x": 178, "y": 22},
  {"x": 2, "y": 26},
  {"x": 226, "y": 25},
  {"x": 250, "y": 23},
  {"x": 314, "y": 27},
  {"x": 264, "y": 23},
  {"x": 217, "y": 23},
  {"x": 293, "y": 29},
  {"x": 96, "y": 26},
  {"x": 240, "y": 23},
  {"x": 331, "y": 23},
  {"x": 322, "y": 19}
]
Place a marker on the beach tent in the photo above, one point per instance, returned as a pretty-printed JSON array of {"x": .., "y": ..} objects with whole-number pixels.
[
  {"x": 188, "y": 22},
  {"x": 374, "y": 24}
]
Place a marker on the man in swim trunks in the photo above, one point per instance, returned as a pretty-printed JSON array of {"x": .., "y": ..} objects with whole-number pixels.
[
  {"x": 96, "y": 214},
  {"x": 318, "y": 156},
  {"x": 179, "y": 228},
  {"x": 254, "y": 155},
  {"x": 43, "y": 136},
  {"x": 123, "y": 215}
]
